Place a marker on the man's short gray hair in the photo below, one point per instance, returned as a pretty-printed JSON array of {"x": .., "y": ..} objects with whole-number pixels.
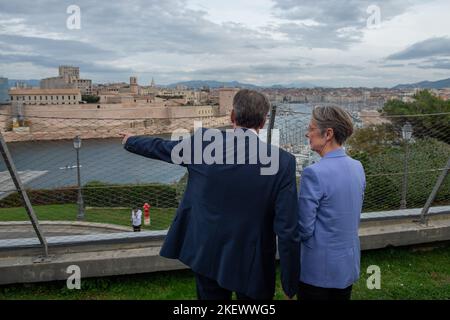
[
  {"x": 250, "y": 108},
  {"x": 336, "y": 118}
]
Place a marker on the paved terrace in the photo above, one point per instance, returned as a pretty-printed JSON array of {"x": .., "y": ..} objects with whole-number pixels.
[{"x": 119, "y": 253}]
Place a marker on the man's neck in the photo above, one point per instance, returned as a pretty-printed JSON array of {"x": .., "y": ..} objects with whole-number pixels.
[{"x": 252, "y": 129}]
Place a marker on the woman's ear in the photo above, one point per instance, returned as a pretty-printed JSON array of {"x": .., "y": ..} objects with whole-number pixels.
[{"x": 330, "y": 134}]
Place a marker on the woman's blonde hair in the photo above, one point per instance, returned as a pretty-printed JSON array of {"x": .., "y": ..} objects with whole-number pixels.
[{"x": 335, "y": 118}]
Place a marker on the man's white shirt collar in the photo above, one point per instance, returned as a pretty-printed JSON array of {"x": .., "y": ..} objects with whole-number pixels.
[{"x": 252, "y": 130}]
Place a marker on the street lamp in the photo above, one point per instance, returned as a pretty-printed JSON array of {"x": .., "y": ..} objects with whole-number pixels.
[
  {"x": 80, "y": 202},
  {"x": 407, "y": 131}
]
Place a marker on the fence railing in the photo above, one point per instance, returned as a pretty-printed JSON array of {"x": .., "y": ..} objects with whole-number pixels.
[{"x": 401, "y": 171}]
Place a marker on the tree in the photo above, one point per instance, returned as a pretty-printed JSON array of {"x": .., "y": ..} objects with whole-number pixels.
[
  {"x": 435, "y": 126},
  {"x": 90, "y": 98},
  {"x": 373, "y": 139},
  {"x": 382, "y": 152}
]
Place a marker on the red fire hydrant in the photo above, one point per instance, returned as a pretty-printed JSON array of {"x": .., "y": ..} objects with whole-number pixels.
[{"x": 147, "y": 220}]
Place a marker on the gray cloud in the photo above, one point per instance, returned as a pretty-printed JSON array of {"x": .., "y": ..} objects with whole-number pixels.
[
  {"x": 428, "y": 48},
  {"x": 280, "y": 73},
  {"x": 336, "y": 24},
  {"x": 49, "y": 53},
  {"x": 68, "y": 49},
  {"x": 150, "y": 26},
  {"x": 323, "y": 36},
  {"x": 167, "y": 40},
  {"x": 270, "y": 69},
  {"x": 435, "y": 63},
  {"x": 52, "y": 63},
  {"x": 392, "y": 65},
  {"x": 119, "y": 30}
]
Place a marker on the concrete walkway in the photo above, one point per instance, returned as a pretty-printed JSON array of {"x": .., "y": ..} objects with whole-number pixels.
[
  {"x": 130, "y": 253},
  {"x": 404, "y": 213},
  {"x": 24, "y": 230}
]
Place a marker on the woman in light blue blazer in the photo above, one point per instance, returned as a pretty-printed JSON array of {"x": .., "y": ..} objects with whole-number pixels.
[{"x": 330, "y": 203}]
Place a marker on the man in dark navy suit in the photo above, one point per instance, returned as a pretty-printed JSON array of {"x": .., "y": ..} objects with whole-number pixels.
[{"x": 241, "y": 194}]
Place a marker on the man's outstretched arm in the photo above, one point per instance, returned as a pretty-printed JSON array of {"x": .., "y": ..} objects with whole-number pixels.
[{"x": 154, "y": 148}]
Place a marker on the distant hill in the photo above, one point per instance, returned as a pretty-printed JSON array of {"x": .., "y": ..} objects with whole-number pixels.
[
  {"x": 295, "y": 85},
  {"x": 31, "y": 83},
  {"x": 445, "y": 83},
  {"x": 197, "y": 84}
]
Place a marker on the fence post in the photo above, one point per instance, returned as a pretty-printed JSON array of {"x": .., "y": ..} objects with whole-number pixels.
[
  {"x": 23, "y": 194},
  {"x": 273, "y": 113},
  {"x": 432, "y": 196},
  {"x": 405, "y": 177}
]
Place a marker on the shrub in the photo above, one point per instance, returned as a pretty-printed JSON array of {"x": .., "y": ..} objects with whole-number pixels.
[
  {"x": 98, "y": 194},
  {"x": 385, "y": 169}
]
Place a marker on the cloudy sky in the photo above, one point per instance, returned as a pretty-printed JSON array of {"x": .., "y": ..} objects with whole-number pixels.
[{"x": 323, "y": 42}]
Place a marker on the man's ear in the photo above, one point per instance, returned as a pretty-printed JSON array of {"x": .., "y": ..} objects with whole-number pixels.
[
  {"x": 262, "y": 124},
  {"x": 232, "y": 117}
]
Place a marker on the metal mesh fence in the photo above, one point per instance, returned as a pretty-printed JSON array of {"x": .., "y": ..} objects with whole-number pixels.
[
  {"x": 400, "y": 172},
  {"x": 112, "y": 180}
]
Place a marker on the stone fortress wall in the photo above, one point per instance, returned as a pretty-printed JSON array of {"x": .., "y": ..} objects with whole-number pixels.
[{"x": 54, "y": 122}]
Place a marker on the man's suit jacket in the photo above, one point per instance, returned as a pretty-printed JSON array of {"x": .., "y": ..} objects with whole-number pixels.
[
  {"x": 226, "y": 225},
  {"x": 330, "y": 203}
]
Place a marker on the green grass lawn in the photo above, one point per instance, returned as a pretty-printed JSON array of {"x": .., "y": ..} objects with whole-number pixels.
[
  {"x": 160, "y": 217},
  {"x": 405, "y": 274}
]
